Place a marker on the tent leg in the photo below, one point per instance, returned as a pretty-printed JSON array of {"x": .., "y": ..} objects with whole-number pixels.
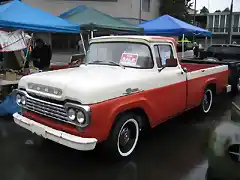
[
  {"x": 183, "y": 37},
  {"x": 206, "y": 43},
  {"x": 28, "y": 48},
  {"x": 83, "y": 44},
  {"x": 92, "y": 35}
]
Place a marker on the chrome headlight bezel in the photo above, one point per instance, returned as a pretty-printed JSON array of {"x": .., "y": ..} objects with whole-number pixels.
[{"x": 85, "y": 110}]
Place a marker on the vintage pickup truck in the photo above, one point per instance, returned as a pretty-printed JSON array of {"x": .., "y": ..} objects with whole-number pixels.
[{"x": 127, "y": 84}]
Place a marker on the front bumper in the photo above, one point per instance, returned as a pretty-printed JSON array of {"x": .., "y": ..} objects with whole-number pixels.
[{"x": 66, "y": 139}]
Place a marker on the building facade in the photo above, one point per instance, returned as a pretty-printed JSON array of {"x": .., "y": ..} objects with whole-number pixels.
[
  {"x": 218, "y": 24},
  {"x": 124, "y": 9}
]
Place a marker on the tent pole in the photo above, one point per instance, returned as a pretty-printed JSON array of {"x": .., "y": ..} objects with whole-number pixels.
[
  {"x": 28, "y": 48},
  {"x": 183, "y": 37},
  {"x": 206, "y": 43},
  {"x": 83, "y": 44},
  {"x": 92, "y": 34},
  {"x": 211, "y": 41}
]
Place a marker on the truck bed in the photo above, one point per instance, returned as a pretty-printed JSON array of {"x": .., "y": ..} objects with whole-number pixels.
[{"x": 196, "y": 64}]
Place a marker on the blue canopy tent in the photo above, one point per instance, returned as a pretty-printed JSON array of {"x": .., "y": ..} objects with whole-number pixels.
[
  {"x": 18, "y": 15},
  {"x": 170, "y": 26}
]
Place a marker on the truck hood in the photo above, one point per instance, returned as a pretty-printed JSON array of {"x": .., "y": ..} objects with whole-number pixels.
[{"x": 92, "y": 83}]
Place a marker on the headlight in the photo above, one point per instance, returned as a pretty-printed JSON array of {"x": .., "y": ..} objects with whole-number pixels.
[
  {"x": 23, "y": 100},
  {"x": 80, "y": 117},
  {"x": 71, "y": 114},
  {"x": 18, "y": 99}
]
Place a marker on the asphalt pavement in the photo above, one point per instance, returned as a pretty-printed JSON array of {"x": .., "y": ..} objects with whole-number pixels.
[{"x": 175, "y": 150}]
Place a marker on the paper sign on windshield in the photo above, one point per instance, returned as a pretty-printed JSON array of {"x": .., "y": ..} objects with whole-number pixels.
[{"x": 129, "y": 59}]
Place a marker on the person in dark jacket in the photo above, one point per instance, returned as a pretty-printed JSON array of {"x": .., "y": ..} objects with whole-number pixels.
[
  {"x": 196, "y": 49},
  {"x": 41, "y": 55}
]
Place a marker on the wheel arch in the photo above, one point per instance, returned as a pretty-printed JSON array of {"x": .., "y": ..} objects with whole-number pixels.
[
  {"x": 139, "y": 111},
  {"x": 213, "y": 86}
]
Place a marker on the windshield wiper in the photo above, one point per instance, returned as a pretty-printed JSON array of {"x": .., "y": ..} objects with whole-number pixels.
[{"x": 112, "y": 62}]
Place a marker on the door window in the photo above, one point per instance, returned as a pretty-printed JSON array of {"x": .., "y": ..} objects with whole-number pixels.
[{"x": 165, "y": 52}]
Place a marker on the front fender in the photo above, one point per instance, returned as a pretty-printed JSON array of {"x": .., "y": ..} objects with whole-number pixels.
[{"x": 132, "y": 103}]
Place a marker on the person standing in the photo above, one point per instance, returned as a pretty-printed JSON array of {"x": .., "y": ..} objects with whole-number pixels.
[
  {"x": 41, "y": 55},
  {"x": 196, "y": 49}
]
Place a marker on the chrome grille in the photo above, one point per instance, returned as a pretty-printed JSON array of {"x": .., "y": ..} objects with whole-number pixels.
[{"x": 48, "y": 109}]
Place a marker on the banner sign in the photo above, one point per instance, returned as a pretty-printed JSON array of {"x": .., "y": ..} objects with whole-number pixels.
[{"x": 13, "y": 41}]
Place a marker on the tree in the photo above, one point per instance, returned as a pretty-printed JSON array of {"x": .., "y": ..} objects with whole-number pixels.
[
  {"x": 218, "y": 11},
  {"x": 176, "y": 8},
  {"x": 226, "y": 10},
  {"x": 204, "y": 10}
]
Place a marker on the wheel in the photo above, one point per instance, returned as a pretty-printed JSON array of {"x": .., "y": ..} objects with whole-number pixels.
[
  {"x": 207, "y": 101},
  {"x": 124, "y": 136},
  {"x": 236, "y": 87}
]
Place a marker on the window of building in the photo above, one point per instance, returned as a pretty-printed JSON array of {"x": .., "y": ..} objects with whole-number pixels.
[
  {"x": 235, "y": 23},
  {"x": 146, "y": 5},
  {"x": 222, "y": 23},
  {"x": 210, "y": 25},
  {"x": 216, "y": 23}
]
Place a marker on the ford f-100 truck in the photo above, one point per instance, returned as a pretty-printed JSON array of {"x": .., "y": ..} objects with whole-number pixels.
[{"x": 126, "y": 84}]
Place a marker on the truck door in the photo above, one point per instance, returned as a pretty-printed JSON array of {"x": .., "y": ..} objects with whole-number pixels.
[{"x": 172, "y": 82}]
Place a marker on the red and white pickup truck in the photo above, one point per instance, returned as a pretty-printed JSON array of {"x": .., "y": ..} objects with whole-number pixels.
[{"x": 127, "y": 83}]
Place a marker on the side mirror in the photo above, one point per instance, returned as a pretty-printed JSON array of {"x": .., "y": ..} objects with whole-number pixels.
[
  {"x": 185, "y": 70},
  {"x": 171, "y": 63}
]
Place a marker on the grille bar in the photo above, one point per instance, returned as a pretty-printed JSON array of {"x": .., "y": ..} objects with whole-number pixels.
[
  {"x": 56, "y": 111},
  {"x": 47, "y": 109}
]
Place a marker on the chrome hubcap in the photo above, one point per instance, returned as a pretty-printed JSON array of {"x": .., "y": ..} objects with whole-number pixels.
[
  {"x": 125, "y": 136},
  {"x": 128, "y": 137},
  {"x": 207, "y": 101}
]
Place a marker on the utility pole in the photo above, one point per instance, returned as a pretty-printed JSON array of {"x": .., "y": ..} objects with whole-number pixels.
[
  {"x": 194, "y": 16},
  {"x": 195, "y": 9},
  {"x": 140, "y": 11},
  {"x": 230, "y": 24}
]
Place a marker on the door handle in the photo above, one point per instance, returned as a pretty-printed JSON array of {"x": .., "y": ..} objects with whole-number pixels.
[{"x": 203, "y": 70}]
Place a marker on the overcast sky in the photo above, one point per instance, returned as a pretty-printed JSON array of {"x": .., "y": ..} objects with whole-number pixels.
[{"x": 217, "y": 4}]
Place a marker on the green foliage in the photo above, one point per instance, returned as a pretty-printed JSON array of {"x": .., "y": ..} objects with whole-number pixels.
[
  {"x": 204, "y": 10},
  {"x": 226, "y": 10},
  {"x": 177, "y": 9}
]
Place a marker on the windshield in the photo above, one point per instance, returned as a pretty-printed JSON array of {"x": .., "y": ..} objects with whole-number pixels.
[{"x": 126, "y": 54}]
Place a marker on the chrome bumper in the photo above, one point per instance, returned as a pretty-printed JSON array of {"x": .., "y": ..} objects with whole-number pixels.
[{"x": 69, "y": 140}]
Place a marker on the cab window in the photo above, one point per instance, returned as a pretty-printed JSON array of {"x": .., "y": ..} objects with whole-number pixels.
[{"x": 164, "y": 52}]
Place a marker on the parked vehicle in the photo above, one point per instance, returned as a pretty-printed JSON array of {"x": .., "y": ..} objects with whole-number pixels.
[
  {"x": 223, "y": 52},
  {"x": 127, "y": 84},
  {"x": 224, "y": 149}
]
